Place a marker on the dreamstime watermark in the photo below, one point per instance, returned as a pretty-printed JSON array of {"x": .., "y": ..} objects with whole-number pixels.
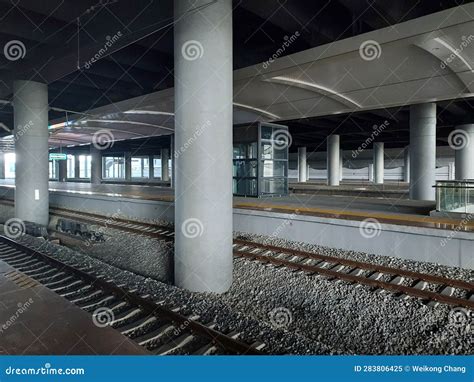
[
  {"x": 281, "y": 139},
  {"x": 377, "y": 130},
  {"x": 281, "y": 51},
  {"x": 370, "y": 50},
  {"x": 281, "y": 317},
  {"x": 458, "y": 139},
  {"x": 461, "y": 318},
  {"x": 14, "y": 50},
  {"x": 458, "y": 228},
  {"x": 466, "y": 41},
  {"x": 192, "y": 228},
  {"x": 370, "y": 228},
  {"x": 197, "y": 133},
  {"x": 44, "y": 370},
  {"x": 282, "y": 226},
  {"x": 103, "y": 139},
  {"x": 14, "y": 228},
  {"x": 18, "y": 133},
  {"x": 99, "y": 233},
  {"x": 110, "y": 41},
  {"x": 103, "y": 317},
  {"x": 22, "y": 308},
  {"x": 179, "y": 329},
  {"x": 192, "y": 50}
]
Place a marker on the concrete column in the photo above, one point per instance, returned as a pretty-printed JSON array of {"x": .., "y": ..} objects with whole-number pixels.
[
  {"x": 128, "y": 166},
  {"x": 302, "y": 165},
  {"x": 62, "y": 170},
  {"x": 406, "y": 167},
  {"x": 371, "y": 172},
  {"x": 333, "y": 160},
  {"x": 307, "y": 172},
  {"x": 165, "y": 173},
  {"x": 422, "y": 151},
  {"x": 451, "y": 171},
  {"x": 76, "y": 166},
  {"x": 203, "y": 116},
  {"x": 96, "y": 165},
  {"x": 379, "y": 163},
  {"x": 30, "y": 104},
  {"x": 151, "y": 167},
  {"x": 2, "y": 165},
  {"x": 464, "y": 152},
  {"x": 341, "y": 164}
]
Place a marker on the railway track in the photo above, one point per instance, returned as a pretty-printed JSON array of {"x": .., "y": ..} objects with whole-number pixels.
[
  {"x": 159, "y": 329},
  {"x": 402, "y": 283}
]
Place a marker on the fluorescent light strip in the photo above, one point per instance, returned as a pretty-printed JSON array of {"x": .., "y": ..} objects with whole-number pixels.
[
  {"x": 151, "y": 112},
  {"x": 454, "y": 51},
  {"x": 315, "y": 87},
  {"x": 260, "y": 111}
]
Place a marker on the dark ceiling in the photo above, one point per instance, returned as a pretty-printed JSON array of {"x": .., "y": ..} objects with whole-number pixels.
[{"x": 60, "y": 34}]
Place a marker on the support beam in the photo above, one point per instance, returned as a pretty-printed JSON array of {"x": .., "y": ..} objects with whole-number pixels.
[
  {"x": 165, "y": 173},
  {"x": 422, "y": 151},
  {"x": 77, "y": 167},
  {"x": 151, "y": 167},
  {"x": 464, "y": 153},
  {"x": 333, "y": 160},
  {"x": 96, "y": 165},
  {"x": 128, "y": 166},
  {"x": 203, "y": 139},
  {"x": 30, "y": 102},
  {"x": 371, "y": 172},
  {"x": 302, "y": 165},
  {"x": 379, "y": 163},
  {"x": 406, "y": 166}
]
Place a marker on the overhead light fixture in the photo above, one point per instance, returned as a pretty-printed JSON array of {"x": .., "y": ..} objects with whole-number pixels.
[
  {"x": 454, "y": 51},
  {"x": 151, "y": 112},
  {"x": 256, "y": 109},
  {"x": 316, "y": 88}
]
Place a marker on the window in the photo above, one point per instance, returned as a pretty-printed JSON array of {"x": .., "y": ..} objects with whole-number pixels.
[
  {"x": 10, "y": 165},
  {"x": 113, "y": 167},
  {"x": 140, "y": 168},
  {"x": 53, "y": 169},
  {"x": 157, "y": 167},
  {"x": 84, "y": 166},
  {"x": 71, "y": 161}
]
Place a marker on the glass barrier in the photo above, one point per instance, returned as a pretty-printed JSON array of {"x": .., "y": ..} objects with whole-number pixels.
[{"x": 455, "y": 196}]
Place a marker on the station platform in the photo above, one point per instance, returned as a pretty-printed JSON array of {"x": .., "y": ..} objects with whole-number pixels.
[
  {"x": 383, "y": 226},
  {"x": 37, "y": 321}
]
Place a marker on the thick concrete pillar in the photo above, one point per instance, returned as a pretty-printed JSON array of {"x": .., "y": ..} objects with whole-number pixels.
[
  {"x": 406, "y": 166},
  {"x": 165, "y": 172},
  {"x": 422, "y": 151},
  {"x": 203, "y": 116},
  {"x": 30, "y": 107},
  {"x": 96, "y": 165},
  {"x": 379, "y": 163},
  {"x": 128, "y": 166},
  {"x": 333, "y": 160},
  {"x": 151, "y": 167},
  {"x": 464, "y": 152},
  {"x": 302, "y": 165},
  {"x": 371, "y": 172},
  {"x": 62, "y": 170},
  {"x": 2, "y": 165}
]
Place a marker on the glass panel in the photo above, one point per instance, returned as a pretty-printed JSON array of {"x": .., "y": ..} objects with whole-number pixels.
[
  {"x": 456, "y": 196},
  {"x": 84, "y": 166},
  {"x": 267, "y": 132},
  {"x": 113, "y": 167},
  {"x": 10, "y": 165},
  {"x": 71, "y": 161},
  {"x": 245, "y": 187},
  {"x": 276, "y": 186}
]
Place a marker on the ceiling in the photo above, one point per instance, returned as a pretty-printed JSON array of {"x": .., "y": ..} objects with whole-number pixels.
[{"x": 128, "y": 89}]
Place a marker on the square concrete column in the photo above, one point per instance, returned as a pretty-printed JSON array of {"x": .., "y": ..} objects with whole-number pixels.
[
  {"x": 406, "y": 166},
  {"x": 30, "y": 107},
  {"x": 151, "y": 167},
  {"x": 96, "y": 165},
  {"x": 422, "y": 151},
  {"x": 302, "y": 166},
  {"x": 379, "y": 162},
  {"x": 62, "y": 170},
  {"x": 127, "y": 157},
  {"x": 203, "y": 144},
  {"x": 2, "y": 165},
  {"x": 165, "y": 157},
  {"x": 333, "y": 159},
  {"x": 462, "y": 141}
]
